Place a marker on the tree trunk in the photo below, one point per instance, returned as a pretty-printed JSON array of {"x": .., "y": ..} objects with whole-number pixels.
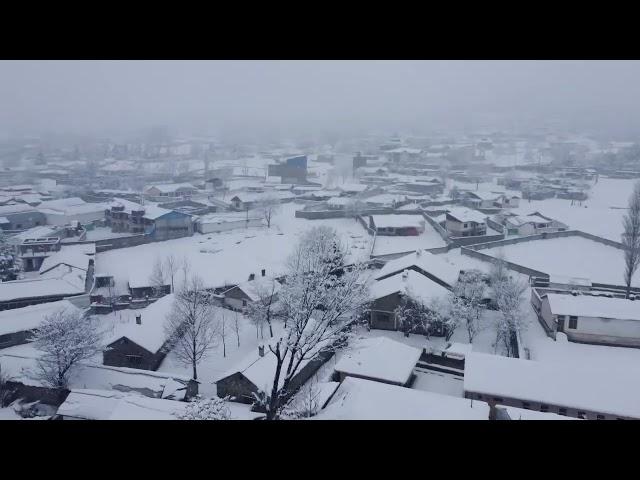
[{"x": 195, "y": 372}]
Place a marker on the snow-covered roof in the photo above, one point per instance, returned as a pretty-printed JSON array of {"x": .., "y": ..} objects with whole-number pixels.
[
  {"x": 44, "y": 286},
  {"x": 458, "y": 350},
  {"x": 4, "y": 220},
  {"x": 252, "y": 288},
  {"x": 114, "y": 405},
  {"x": 380, "y": 358},
  {"x": 385, "y": 199},
  {"x": 612, "y": 392},
  {"x": 151, "y": 212},
  {"x": 35, "y": 232},
  {"x": 339, "y": 201},
  {"x": 17, "y": 208},
  {"x": 584, "y": 282},
  {"x": 353, "y": 187},
  {"x": 590, "y": 306},
  {"x": 170, "y": 187},
  {"x": 398, "y": 221},
  {"x": 439, "y": 267},
  {"x": 525, "y": 414},
  {"x": 150, "y": 334},
  {"x": 487, "y": 196},
  {"x": 219, "y": 218},
  {"x": 28, "y": 318},
  {"x": 463, "y": 214},
  {"x": 70, "y": 256},
  {"x": 359, "y": 399},
  {"x": 404, "y": 150},
  {"x": 415, "y": 285},
  {"x": 520, "y": 220}
]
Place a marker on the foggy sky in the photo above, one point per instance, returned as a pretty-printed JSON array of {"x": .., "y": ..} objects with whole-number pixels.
[{"x": 301, "y": 97}]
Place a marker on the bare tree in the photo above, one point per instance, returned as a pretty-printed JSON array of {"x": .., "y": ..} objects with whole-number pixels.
[
  {"x": 268, "y": 206},
  {"x": 158, "y": 277},
  {"x": 66, "y": 338},
  {"x": 171, "y": 268},
  {"x": 317, "y": 305},
  {"x": 191, "y": 327},
  {"x": 631, "y": 237},
  {"x": 306, "y": 403},
  {"x": 223, "y": 333},
  {"x": 236, "y": 327}
]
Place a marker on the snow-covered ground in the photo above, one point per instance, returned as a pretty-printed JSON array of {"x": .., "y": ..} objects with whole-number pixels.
[{"x": 386, "y": 245}]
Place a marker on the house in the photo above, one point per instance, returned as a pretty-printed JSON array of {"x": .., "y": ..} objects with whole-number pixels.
[
  {"x": 592, "y": 319},
  {"x": 190, "y": 207},
  {"x": 255, "y": 374},
  {"x": 434, "y": 267},
  {"x": 292, "y": 170},
  {"x": 160, "y": 223},
  {"x": 21, "y": 216},
  {"x": 380, "y": 359},
  {"x": 464, "y": 222},
  {"x": 507, "y": 201},
  {"x": 339, "y": 203},
  {"x": 432, "y": 186},
  {"x": 17, "y": 326},
  {"x": 564, "y": 389},
  {"x": 386, "y": 296},
  {"x": 384, "y": 200},
  {"x": 531, "y": 224},
  {"x": 140, "y": 341},
  {"x": 66, "y": 210},
  {"x": 481, "y": 199},
  {"x": 164, "y": 192},
  {"x": 351, "y": 189},
  {"x": 238, "y": 297},
  {"x": 226, "y": 221},
  {"x": 403, "y": 154},
  {"x": 359, "y": 399},
  {"x": 33, "y": 251},
  {"x": 403, "y": 225},
  {"x": 214, "y": 183}
]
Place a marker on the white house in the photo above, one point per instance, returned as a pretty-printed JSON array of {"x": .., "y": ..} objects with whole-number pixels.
[
  {"x": 593, "y": 319},
  {"x": 564, "y": 389},
  {"x": 225, "y": 222},
  {"x": 507, "y": 201},
  {"x": 465, "y": 222},
  {"x": 359, "y": 399},
  {"x": 532, "y": 224}
]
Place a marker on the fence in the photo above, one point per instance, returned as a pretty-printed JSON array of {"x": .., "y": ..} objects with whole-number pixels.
[{"x": 471, "y": 252}]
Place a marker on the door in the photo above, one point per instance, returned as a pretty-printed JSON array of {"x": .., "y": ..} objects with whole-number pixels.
[{"x": 561, "y": 324}]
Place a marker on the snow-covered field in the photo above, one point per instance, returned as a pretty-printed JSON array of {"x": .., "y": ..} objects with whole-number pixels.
[
  {"x": 569, "y": 256},
  {"x": 386, "y": 245}
]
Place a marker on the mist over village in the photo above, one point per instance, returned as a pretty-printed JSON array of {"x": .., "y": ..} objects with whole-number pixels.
[{"x": 319, "y": 240}]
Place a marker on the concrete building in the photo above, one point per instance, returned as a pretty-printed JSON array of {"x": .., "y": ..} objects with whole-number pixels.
[{"x": 464, "y": 222}]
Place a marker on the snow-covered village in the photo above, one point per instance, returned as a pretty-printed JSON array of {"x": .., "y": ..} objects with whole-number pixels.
[{"x": 487, "y": 271}]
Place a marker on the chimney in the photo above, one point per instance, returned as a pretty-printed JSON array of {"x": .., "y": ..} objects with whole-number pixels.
[
  {"x": 252, "y": 276},
  {"x": 264, "y": 272},
  {"x": 138, "y": 319},
  {"x": 261, "y": 350},
  {"x": 405, "y": 275}
]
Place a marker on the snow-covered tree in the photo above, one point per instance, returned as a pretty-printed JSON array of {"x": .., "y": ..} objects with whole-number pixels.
[
  {"x": 305, "y": 404},
  {"x": 412, "y": 315},
  {"x": 465, "y": 302},
  {"x": 440, "y": 317},
  {"x": 261, "y": 311},
  {"x": 4, "y": 389},
  {"x": 192, "y": 327},
  {"x": 509, "y": 296},
  {"x": 268, "y": 206},
  {"x": 66, "y": 338},
  {"x": 355, "y": 207},
  {"x": 631, "y": 237},
  {"x": 206, "y": 409},
  {"x": 316, "y": 305}
]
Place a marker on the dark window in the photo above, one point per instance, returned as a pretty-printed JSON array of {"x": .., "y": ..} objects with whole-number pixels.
[
  {"x": 573, "y": 322},
  {"x": 479, "y": 396},
  {"x": 560, "y": 323},
  {"x": 544, "y": 408},
  {"x": 562, "y": 411},
  {"x": 244, "y": 303},
  {"x": 465, "y": 225}
]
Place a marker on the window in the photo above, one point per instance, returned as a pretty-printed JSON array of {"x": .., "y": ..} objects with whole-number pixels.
[
  {"x": 244, "y": 303},
  {"x": 544, "y": 408},
  {"x": 134, "y": 359},
  {"x": 560, "y": 323},
  {"x": 562, "y": 411},
  {"x": 465, "y": 225},
  {"x": 479, "y": 396},
  {"x": 573, "y": 322}
]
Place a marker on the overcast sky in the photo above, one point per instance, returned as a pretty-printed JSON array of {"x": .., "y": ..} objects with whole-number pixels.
[{"x": 306, "y": 96}]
